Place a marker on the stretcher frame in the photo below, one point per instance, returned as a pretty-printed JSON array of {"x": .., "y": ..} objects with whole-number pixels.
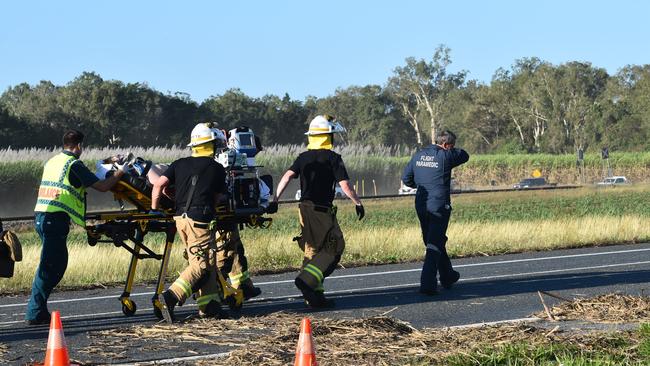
[{"x": 127, "y": 229}]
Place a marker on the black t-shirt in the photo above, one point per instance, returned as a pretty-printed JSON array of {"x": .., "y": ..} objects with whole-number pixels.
[
  {"x": 319, "y": 171},
  {"x": 212, "y": 180}
]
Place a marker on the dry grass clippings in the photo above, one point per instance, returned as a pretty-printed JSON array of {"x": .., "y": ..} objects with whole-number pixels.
[
  {"x": 4, "y": 350},
  {"x": 271, "y": 340},
  {"x": 608, "y": 308}
]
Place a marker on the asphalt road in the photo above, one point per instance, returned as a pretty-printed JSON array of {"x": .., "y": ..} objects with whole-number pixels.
[{"x": 491, "y": 289}]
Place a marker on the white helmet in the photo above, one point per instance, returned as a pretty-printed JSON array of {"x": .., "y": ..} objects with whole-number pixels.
[
  {"x": 324, "y": 124},
  {"x": 203, "y": 133}
]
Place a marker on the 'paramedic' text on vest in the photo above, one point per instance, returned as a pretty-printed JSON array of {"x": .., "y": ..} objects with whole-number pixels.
[{"x": 427, "y": 162}]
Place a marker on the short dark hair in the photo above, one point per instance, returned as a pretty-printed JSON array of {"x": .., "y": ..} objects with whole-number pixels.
[
  {"x": 446, "y": 137},
  {"x": 72, "y": 138}
]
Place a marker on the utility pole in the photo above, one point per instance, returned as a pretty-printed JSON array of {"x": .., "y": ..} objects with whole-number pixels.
[
  {"x": 580, "y": 164},
  {"x": 605, "y": 155}
]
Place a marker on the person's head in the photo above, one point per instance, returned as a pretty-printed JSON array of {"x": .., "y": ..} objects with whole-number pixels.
[
  {"x": 321, "y": 132},
  {"x": 72, "y": 141},
  {"x": 204, "y": 140},
  {"x": 446, "y": 139}
]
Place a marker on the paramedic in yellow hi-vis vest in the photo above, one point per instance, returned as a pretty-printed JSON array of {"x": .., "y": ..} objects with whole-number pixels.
[
  {"x": 200, "y": 182},
  {"x": 321, "y": 239},
  {"x": 61, "y": 198}
]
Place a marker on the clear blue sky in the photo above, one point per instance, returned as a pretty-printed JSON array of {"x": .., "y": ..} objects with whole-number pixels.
[{"x": 304, "y": 47}]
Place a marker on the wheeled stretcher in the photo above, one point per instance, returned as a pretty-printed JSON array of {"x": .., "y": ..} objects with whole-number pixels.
[{"x": 127, "y": 229}]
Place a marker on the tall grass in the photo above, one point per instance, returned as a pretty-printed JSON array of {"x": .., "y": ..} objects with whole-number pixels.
[
  {"x": 481, "y": 224},
  {"x": 364, "y": 161}
]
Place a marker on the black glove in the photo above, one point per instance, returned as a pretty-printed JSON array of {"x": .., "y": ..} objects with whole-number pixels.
[
  {"x": 273, "y": 207},
  {"x": 361, "y": 212}
]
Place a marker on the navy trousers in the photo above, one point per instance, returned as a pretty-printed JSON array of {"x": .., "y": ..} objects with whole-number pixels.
[
  {"x": 436, "y": 261},
  {"x": 53, "y": 229}
]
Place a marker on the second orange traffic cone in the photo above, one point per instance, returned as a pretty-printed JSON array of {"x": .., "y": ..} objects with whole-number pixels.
[
  {"x": 305, "y": 352},
  {"x": 57, "y": 351}
]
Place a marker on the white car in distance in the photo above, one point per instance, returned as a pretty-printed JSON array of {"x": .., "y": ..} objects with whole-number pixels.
[
  {"x": 408, "y": 190},
  {"x": 614, "y": 181}
]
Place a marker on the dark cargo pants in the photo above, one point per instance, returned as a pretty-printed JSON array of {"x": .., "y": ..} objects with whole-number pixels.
[
  {"x": 53, "y": 229},
  {"x": 434, "y": 229}
]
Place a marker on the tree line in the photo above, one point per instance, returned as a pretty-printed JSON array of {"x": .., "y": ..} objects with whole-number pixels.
[{"x": 534, "y": 106}]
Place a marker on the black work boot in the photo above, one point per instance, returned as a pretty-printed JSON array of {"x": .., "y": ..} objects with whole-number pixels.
[
  {"x": 42, "y": 319},
  {"x": 213, "y": 310},
  {"x": 250, "y": 291},
  {"x": 168, "y": 301},
  {"x": 322, "y": 302},
  {"x": 428, "y": 291},
  {"x": 449, "y": 282},
  {"x": 312, "y": 298}
]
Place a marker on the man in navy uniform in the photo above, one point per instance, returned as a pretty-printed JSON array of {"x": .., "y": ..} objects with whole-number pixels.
[{"x": 430, "y": 172}]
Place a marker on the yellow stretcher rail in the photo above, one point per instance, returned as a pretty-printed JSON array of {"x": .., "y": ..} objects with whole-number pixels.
[{"x": 128, "y": 228}]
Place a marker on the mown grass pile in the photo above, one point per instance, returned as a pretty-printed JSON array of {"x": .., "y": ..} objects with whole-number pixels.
[
  {"x": 379, "y": 340},
  {"x": 482, "y": 224}
]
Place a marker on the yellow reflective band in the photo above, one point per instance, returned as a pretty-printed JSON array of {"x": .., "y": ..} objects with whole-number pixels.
[
  {"x": 319, "y": 129},
  {"x": 184, "y": 285},
  {"x": 235, "y": 280},
  {"x": 237, "y": 276},
  {"x": 320, "y": 288},
  {"x": 314, "y": 271},
  {"x": 204, "y": 300},
  {"x": 204, "y": 138}
]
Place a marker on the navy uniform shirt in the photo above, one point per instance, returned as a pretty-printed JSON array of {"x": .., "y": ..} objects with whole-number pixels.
[
  {"x": 80, "y": 175},
  {"x": 430, "y": 172}
]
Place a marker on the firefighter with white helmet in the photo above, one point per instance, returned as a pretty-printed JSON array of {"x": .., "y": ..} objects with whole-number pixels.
[
  {"x": 321, "y": 239},
  {"x": 200, "y": 182},
  {"x": 231, "y": 257}
]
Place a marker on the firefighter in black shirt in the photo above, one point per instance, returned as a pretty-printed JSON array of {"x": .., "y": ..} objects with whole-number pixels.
[
  {"x": 200, "y": 182},
  {"x": 319, "y": 169}
]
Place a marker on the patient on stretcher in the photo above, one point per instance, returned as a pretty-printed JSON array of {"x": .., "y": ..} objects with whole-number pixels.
[{"x": 141, "y": 175}]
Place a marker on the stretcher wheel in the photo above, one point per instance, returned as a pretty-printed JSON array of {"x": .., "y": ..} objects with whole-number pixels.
[
  {"x": 157, "y": 312},
  {"x": 128, "y": 307}
]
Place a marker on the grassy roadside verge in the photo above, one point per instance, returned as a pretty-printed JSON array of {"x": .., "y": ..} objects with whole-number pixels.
[
  {"x": 609, "y": 329},
  {"x": 482, "y": 224}
]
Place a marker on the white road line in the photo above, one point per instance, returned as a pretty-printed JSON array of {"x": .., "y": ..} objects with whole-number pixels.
[
  {"x": 168, "y": 361},
  {"x": 482, "y": 264},
  {"x": 81, "y": 299},
  {"x": 366, "y": 274},
  {"x": 507, "y": 321},
  {"x": 406, "y": 285}
]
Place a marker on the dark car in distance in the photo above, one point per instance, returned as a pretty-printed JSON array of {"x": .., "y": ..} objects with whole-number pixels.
[{"x": 531, "y": 182}]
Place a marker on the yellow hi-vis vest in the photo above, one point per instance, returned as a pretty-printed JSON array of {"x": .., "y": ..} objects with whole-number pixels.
[{"x": 56, "y": 194}]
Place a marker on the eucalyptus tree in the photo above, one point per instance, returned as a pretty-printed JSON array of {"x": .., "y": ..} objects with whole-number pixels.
[{"x": 421, "y": 87}]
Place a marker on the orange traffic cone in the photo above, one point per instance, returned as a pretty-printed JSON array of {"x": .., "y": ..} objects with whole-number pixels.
[
  {"x": 305, "y": 352},
  {"x": 57, "y": 351}
]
